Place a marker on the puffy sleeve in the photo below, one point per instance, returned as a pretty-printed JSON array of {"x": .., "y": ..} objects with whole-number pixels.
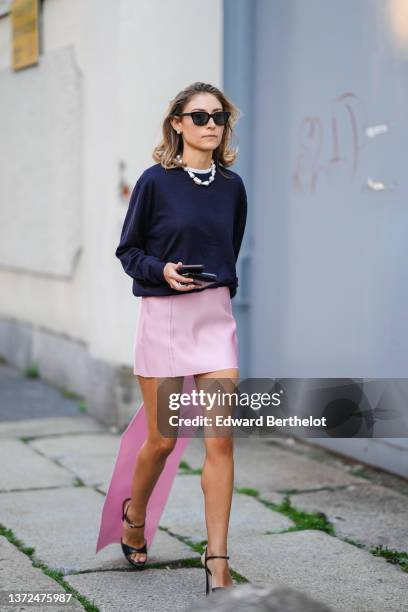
[
  {"x": 240, "y": 219},
  {"x": 130, "y": 251}
]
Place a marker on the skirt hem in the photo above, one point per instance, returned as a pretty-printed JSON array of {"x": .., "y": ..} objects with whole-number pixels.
[{"x": 229, "y": 367}]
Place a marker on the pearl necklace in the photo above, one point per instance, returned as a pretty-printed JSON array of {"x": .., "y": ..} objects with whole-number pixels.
[{"x": 195, "y": 178}]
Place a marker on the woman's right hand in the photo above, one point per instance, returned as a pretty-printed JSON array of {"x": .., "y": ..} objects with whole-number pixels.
[{"x": 174, "y": 279}]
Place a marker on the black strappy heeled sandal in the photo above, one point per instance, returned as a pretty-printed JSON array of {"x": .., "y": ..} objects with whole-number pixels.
[
  {"x": 129, "y": 550},
  {"x": 208, "y": 587}
]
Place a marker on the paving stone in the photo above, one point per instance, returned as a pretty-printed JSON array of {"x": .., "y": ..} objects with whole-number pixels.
[
  {"x": 149, "y": 590},
  {"x": 63, "y": 526},
  {"x": 335, "y": 573},
  {"x": 16, "y": 457},
  {"x": 184, "y": 512},
  {"x": 370, "y": 514},
  {"x": 91, "y": 457},
  {"x": 49, "y": 426},
  {"x": 22, "y": 397},
  {"x": 17, "y": 574},
  {"x": 270, "y": 469}
]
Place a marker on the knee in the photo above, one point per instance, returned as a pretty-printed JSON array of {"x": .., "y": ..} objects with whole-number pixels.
[
  {"x": 220, "y": 447},
  {"x": 162, "y": 447}
]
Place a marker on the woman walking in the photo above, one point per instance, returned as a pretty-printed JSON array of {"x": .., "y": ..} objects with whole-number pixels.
[{"x": 188, "y": 208}]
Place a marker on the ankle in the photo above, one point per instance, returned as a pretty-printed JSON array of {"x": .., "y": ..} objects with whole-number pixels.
[
  {"x": 137, "y": 519},
  {"x": 134, "y": 517},
  {"x": 217, "y": 551}
]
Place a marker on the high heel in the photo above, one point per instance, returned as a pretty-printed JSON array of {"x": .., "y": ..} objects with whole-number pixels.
[
  {"x": 208, "y": 586},
  {"x": 129, "y": 550}
]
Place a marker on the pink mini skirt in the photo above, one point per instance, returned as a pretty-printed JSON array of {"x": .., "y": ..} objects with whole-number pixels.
[{"x": 180, "y": 335}]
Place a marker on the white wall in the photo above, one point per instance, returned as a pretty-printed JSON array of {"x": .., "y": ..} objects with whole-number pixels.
[{"x": 128, "y": 60}]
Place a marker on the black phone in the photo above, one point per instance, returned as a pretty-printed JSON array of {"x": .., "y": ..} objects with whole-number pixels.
[{"x": 190, "y": 268}]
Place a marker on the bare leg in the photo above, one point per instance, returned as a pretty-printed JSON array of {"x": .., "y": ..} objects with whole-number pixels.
[
  {"x": 217, "y": 483},
  {"x": 150, "y": 462}
]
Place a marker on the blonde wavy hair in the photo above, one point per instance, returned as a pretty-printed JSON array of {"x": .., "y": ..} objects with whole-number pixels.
[{"x": 171, "y": 144}]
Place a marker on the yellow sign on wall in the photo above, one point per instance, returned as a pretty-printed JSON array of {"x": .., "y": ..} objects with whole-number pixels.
[{"x": 25, "y": 33}]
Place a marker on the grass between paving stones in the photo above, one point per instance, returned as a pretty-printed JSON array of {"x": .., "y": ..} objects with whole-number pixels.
[
  {"x": 359, "y": 471},
  {"x": 69, "y": 394},
  {"x": 396, "y": 557},
  {"x": 353, "y": 542},
  {"x": 82, "y": 407},
  {"x": 78, "y": 482},
  {"x": 302, "y": 519},
  {"x": 176, "y": 564},
  {"x": 198, "y": 547},
  {"x": 185, "y": 468},
  {"x": 32, "y": 371},
  {"x": 54, "y": 574}
]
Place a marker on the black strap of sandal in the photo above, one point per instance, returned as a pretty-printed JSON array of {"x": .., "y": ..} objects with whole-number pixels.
[
  {"x": 125, "y": 516},
  {"x": 132, "y": 524},
  {"x": 132, "y": 549},
  {"x": 213, "y": 557}
]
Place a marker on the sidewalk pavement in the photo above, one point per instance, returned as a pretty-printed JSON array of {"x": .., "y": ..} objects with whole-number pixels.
[{"x": 301, "y": 517}]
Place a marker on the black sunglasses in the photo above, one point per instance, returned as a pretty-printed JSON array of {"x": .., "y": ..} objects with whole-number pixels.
[{"x": 202, "y": 117}]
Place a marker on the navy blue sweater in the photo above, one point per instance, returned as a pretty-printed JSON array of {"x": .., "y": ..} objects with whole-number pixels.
[{"x": 170, "y": 218}]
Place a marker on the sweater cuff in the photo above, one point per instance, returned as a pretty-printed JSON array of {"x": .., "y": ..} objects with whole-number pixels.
[{"x": 157, "y": 268}]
